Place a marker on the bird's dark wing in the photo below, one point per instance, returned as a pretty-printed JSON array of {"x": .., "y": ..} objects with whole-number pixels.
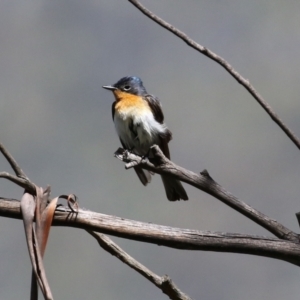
[
  {"x": 155, "y": 106},
  {"x": 174, "y": 189}
]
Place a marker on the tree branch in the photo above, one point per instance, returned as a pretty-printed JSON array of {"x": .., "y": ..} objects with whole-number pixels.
[
  {"x": 23, "y": 182},
  {"x": 18, "y": 171},
  {"x": 221, "y": 61},
  {"x": 164, "y": 283},
  {"x": 184, "y": 239},
  {"x": 161, "y": 165},
  {"x": 20, "y": 179}
]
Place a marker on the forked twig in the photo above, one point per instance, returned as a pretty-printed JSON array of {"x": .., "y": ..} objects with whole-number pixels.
[
  {"x": 20, "y": 178},
  {"x": 13, "y": 163},
  {"x": 20, "y": 181}
]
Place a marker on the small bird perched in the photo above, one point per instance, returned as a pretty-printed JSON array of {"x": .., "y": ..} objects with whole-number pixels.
[{"x": 139, "y": 122}]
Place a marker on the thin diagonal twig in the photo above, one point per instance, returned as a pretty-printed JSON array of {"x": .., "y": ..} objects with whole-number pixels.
[
  {"x": 164, "y": 283},
  {"x": 13, "y": 163},
  {"x": 20, "y": 181},
  {"x": 221, "y": 61}
]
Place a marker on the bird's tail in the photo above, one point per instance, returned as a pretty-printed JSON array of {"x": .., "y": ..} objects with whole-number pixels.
[
  {"x": 144, "y": 175},
  {"x": 174, "y": 189}
]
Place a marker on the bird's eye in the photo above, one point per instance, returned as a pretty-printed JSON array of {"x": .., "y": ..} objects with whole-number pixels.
[{"x": 126, "y": 87}]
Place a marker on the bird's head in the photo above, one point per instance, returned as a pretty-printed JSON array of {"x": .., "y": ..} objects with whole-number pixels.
[{"x": 131, "y": 84}]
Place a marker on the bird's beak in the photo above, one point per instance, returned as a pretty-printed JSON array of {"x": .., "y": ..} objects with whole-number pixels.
[{"x": 109, "y": 87}]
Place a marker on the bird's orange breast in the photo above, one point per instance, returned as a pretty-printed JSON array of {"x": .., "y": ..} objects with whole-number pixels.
[{"x": 125, "y": 101}]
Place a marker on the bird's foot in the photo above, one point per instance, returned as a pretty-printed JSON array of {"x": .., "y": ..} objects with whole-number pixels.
[{"x": 129, "y": 151}]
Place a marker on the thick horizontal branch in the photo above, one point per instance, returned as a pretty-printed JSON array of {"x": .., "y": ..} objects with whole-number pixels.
[
  {"x": 221, "y": 61},
  {"x": 178, "y": 238},
  {"x": 161, "y": 165}
]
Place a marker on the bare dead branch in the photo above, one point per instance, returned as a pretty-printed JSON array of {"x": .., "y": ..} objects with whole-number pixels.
[
  {"x": 13, "y": 163},
  {"x": 20, "y": 178},
  {"x": 161, "y": 165},
  {"x": 20, "y": 181},
  {"x": 221, "y": 61},
  {"x": 164, "y": 283},
  {"x": 184, "y": 239}
]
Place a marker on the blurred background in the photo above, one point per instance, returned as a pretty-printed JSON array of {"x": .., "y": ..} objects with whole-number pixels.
[{"x": 55, "y": 119}]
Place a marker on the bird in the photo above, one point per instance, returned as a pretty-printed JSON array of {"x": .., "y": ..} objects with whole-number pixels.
[{"x": 139, "y": 122}]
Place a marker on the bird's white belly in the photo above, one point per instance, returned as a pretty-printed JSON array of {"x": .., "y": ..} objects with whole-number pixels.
[{"x": 138, "y": 129}]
